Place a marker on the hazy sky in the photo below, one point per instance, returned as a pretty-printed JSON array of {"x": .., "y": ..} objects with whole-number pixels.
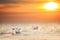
[
  {"x": 27, "y": 10},
  {"x": 22, "y": 5}
]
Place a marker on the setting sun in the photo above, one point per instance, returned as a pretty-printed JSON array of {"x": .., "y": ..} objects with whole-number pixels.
[{"x": 51, "y": 6}]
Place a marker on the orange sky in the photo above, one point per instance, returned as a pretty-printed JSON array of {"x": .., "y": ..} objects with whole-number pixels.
[{"x": 27, "y": 10}]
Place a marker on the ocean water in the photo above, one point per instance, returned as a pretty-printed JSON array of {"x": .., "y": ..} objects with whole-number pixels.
[{"x": 40, "y": 31}]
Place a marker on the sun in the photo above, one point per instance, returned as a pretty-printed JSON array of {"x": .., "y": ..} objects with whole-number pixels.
[{"x": 51, "y": 6}]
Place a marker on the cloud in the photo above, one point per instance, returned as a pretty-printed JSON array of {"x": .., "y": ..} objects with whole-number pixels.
[
  {"x": 13, "y": 1},
  {"x": 6, "y": 1},
  {"x": 20, "y": 1}
]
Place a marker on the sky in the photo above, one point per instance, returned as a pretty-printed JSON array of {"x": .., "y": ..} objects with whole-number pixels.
[{"x": 27, "y": 10}]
